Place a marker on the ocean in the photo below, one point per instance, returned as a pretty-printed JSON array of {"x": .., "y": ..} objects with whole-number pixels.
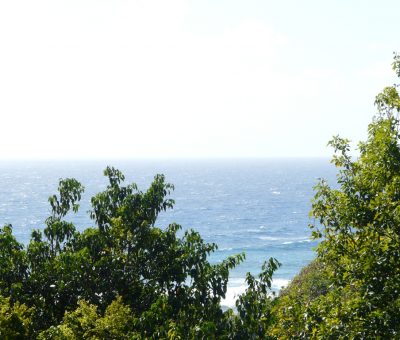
[{"x": 260, "y": 207}]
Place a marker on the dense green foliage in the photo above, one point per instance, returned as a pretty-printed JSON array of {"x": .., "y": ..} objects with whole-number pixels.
[
  {"x": 310, "y": 285},
  {"x": 126, "y": 278},
  {"x": 358, "y": 260},
  {"x": 15, "y": 320}
]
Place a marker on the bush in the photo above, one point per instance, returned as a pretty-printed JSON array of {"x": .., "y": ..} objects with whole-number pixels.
[
  {"x": 15, "y": 320},
  {"x": 125, "y": 276},
  {"x": 358, "y": 294}
]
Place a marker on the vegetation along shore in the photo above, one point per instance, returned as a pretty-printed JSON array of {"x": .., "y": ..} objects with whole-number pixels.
[{"x": 127, "y": 278}]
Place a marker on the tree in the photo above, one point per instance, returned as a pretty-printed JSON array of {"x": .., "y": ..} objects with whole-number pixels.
[
  {"x": 359, "y": 223},
  {"x": 77, "y": 283},
  {"x": 254, "y": 306},
  {"x": 15, "y": 320},
  {"x": 86, "y": 323}
]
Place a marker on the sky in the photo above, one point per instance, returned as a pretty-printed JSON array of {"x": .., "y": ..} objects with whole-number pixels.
[{"x": 108, "y": 79}]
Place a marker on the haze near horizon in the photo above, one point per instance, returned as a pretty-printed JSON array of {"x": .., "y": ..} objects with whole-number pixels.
[{"x": 190, "y": 79}]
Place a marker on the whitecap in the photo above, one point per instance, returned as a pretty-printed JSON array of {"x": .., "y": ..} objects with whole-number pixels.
[
  {"x": 253, "y": 231},
  {"x": 269, "y": 238},
  {"x": 225, "y": 249},
  {"x": 232, "y": 293},
  {"x": 279, "y": 283},
  {"x": 238, "y": 286},
  {"x": 297, "y": 240}
]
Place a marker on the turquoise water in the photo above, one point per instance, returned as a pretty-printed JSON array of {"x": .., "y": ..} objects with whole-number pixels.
[{"x": 260, "y": 207}]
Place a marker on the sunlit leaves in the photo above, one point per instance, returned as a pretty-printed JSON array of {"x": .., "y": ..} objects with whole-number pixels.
[{"x": 124, "y": 277}]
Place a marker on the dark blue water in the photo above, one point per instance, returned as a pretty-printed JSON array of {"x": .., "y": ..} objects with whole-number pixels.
[{"x": 260, "y": 207}]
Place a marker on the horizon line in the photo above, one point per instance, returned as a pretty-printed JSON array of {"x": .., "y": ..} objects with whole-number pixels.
[{"x": 102, "y": 159}]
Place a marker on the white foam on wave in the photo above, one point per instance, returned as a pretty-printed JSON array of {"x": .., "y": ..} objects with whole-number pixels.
[
  {"x": 232, "y": 295},
  {"x": 269, "y": 238},
  {"x": 301, "y": 240},
  {"x": 254, "y": 230},
  {"x": 286, "y": 240},
  {"x": 280, "y": 283},
  {"x": 225, "y": 249},
  {"x": 238, "y": 286}
]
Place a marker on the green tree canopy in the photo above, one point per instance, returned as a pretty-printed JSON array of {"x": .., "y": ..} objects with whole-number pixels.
[
  {"x": 75, "y": 281},
  {"x": 359, "y": 253},
  {"x": 126, "y": 277}
]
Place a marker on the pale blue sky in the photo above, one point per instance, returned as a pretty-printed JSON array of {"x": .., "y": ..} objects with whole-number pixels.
[{"x": 197, "y": 79}]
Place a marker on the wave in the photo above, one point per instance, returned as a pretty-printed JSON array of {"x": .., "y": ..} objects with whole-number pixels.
[
  {"x": 232, "y": 295},
  {"x": 305, "y": 240},
  {"x": 225, "y": 249},
  {"x": 238, "y": 286},
  {"x": 286, "y": 240},
  {"x": 278, "y": 284},
  {"x": 270, "y": 238}
]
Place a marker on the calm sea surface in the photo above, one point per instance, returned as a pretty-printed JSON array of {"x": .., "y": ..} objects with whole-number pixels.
[{"x": 259, "y": 207}]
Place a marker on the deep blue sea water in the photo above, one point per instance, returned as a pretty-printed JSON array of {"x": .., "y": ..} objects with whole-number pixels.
[{"x": 260, "y": 207}]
